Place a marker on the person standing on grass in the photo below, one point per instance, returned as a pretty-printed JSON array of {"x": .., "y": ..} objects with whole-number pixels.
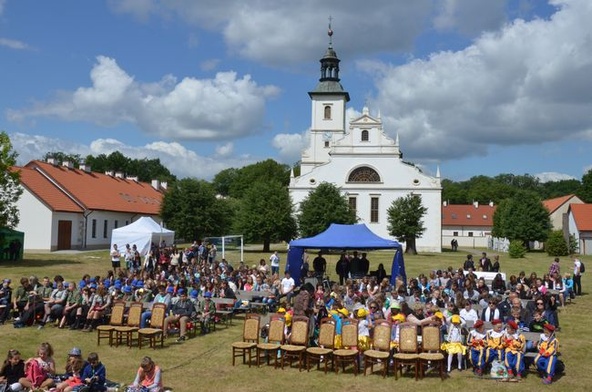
[
  {"x": 115, "y": 260},
  {"x": 577, "y": 276},
  {"x": 274, "y": 261}
]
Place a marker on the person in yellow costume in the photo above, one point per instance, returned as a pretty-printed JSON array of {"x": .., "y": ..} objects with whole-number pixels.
[
  {"x": 454, "y": 343},
  {"x": 515, "y": 344},
  {"x": 364, "y": 326},
  {"x": 546, "y": 360},
  {"x": 495, "y": 343}
]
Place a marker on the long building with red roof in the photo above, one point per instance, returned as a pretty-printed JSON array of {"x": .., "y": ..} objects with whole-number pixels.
[{"x": 67, "y": 208}]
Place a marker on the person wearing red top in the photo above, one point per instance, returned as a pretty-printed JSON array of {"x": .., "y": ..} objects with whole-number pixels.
[{"x": 148, "y": 376}]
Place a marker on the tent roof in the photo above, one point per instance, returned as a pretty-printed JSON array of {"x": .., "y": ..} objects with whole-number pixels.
[
  {"x": 338, "y": 236},
  {"x": 144, "y": 225}
]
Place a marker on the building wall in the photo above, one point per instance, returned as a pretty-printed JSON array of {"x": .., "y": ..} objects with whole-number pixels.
[
  {"x": 35, "y": 222},
  {"x": 557, "y": 215}
]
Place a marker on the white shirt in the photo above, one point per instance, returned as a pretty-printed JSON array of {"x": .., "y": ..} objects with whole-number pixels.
[
  {"x": 468, "y": 315},
  {"x": 274, "y": 259},
  {"x": 287, "y": 285},
  {"x": 577, "y": 265}
]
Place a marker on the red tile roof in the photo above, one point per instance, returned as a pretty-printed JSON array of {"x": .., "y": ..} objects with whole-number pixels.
[
  {"x": 553, "y": 204},
  {"x": 96, "y": 191},
  {"x": 467, "y": 215},
  {"x": 47, "y": 192},
  {"x": 582, "y": 214}
]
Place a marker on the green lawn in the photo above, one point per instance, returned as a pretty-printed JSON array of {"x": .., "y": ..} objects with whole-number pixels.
[{"x": 205, "y": 361}]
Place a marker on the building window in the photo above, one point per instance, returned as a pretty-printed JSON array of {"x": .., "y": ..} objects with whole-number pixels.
[
  {"x": 455, "y": 233},
  {"x": 326, "y": 144},
  {"x": 365, "y": 136},
  {"x": 374, "y": 209},
  {"x": 94, "y": 228},
  {"x": 327, "y": 112},
  {"x": 353, "y": 204},
  {"x": 364, "y": 174},
  {"x": 105, "y": 222},
  {"x": 116, "y": 224},
  {"x": 470, "y": 233},
  {"x": 126, "y": 223}
]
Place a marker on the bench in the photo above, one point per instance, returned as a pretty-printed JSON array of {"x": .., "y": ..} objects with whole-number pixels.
[
  {"x": 223, "y": 311},
  {"x": 248, "y": 296}
]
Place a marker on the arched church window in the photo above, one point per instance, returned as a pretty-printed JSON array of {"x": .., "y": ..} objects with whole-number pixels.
[
  {"x": 327, "y": 112},
  {"x": 364, "y": 174},
  {"x": 365, "y": 136}
]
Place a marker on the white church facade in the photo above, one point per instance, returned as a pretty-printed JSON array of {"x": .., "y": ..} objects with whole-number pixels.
[{"x": 359, "y": 158}]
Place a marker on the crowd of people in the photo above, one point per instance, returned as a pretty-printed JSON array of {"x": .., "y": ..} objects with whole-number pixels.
[{"x": 187, "y": 280}]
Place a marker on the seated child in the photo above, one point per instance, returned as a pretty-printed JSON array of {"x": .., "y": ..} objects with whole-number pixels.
[
  {"x": 148, "y": 377},
  {"x": 546, "y": 360},
  {"x": 40, "y": 370},
  {"x": 515, "y": 345},
  {"x": 12, "y": 370},
  {"x": 75, "y": 380},
  {"x": 477, "y": 341},
  {"x": 94, "y": 374},
  {"x": 495, "y": 343}
]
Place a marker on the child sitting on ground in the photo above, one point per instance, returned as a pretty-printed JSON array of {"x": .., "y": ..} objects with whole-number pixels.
[
  {"x": 94, "y": 374},
  {"x": 12, "y": 370},
  {"x": 75, "y": 380}
]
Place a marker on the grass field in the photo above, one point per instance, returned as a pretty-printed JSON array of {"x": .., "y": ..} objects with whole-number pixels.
[{"x": 204, "y": 362}]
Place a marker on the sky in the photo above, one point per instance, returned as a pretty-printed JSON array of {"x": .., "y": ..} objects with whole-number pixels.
[{"x": 472, "y": 87}]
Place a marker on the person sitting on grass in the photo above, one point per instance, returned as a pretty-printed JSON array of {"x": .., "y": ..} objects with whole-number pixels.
[
  {"x": 73, "y": 382},
  {"x": 12, "y": 370},
  {"x": 148, "y": 377},
  {"x": 546, "y": 360},
  {"x": 39, "y": 371},
  {"x": 94, "y": 374}
]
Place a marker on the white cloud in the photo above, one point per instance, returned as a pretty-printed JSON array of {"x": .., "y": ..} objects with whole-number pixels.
[
  {"x": 180, "y": 160},
  {"x": 290, "y": 145},
  {"x": 221, "y": 108},
  {"x": 11, "y": 43},
  {"x": 553, "y": 176},
  {"x": 225, "y": 150},
  {"x": 265, "y": 33},
  {"x": 525, "y": 84}
]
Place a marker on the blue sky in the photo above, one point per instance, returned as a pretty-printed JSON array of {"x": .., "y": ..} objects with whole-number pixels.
[{"x": 476, "y": 87}]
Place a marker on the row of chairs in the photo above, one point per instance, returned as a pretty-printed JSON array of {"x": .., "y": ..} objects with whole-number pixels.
[
  {"x": 118, "y": 332},
  {"x": 409, "y": 352}
]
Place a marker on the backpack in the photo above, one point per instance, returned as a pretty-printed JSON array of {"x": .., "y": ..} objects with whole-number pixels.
[{"x": 582, "y": 267}]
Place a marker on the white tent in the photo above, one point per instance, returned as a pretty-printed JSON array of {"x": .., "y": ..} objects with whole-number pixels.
[{"x": 142, "y": 233}]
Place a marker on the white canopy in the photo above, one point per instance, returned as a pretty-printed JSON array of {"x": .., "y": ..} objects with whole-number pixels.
[{"x": 142, "y": 233}]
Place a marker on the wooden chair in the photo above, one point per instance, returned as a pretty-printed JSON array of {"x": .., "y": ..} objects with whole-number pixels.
[
  {"x": 126, "y": 332},
  {"x": 408, "y": 351},
  {"x": 349, "y": 352},
  {"x": 115, "y": 320},
  {"x": 326, "y": 343},
  {"x": 431, "y": 351},
  {"x": 380, "y": 352},
  {"x": 250, "y": 339},
  {"x": 296, "y": 349},
  {"x": 156, "y": 329},
  {"x": 275, "y": 338}
]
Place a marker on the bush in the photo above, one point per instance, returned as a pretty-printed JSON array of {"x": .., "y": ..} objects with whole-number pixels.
[
  {"x": 556, "y": 245},
  {"x": 516, "y": 249}
]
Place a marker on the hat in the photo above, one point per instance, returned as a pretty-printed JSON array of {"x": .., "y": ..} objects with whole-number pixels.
[
  {"x": 549, "y": 327},
  {"x": 193, "y": 293},
  {"x": 344, "y": 312},
  {"x": 127, "y": 289},
  {"x": 181, "y": 291},
  {"x": 512, "y": 324},
  {"x": 82, "y": 284},
  {"x": 66, "y": 284},
  {"x": 399, "y": 317},
  {"x": 170, "y": 289},
  {"x": 93, "y": 285},
  {"x": 117, "y": 284},
  {"x": 478, "y": 324},
  {"x": 455, "y": 319},
  {"x": 439, "y": 315},
  {"x": 362, "y": 312},
  {"x": 140, "y": 283},
  {"x": 7, "y": 280},
  {"x": 93, "y": 279},
  {"x": 75, "y": 352},
  {"x": 395, "y": 305},
  {"x": 106, "y": 284},
  {"x": 281, "y": 310},
  {"x": 207, "y": 294},
  {"x": 496, "y": 321}
]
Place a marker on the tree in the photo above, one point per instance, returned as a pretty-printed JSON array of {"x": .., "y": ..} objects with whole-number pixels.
[
  {"x": 9, "y": 184},
  {"x": 556, "y": 244},
  {"x": 522, "y": 217},
  {"x": 586, "y": 189},
  {"x": 145, "y": 169},
  {"x": 190, "y": 207},
  {"x": 63, "y": 157},
  {"x": 405, "y": 220},
  {"x": 224, "y": 180},
  {"x": 265, "y": 171},
  {"x": 266, "y": 214},
  {"x": 323, "y": 206}
]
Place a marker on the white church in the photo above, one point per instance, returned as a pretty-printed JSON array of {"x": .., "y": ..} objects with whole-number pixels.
[{"x": 362, "y": 161}]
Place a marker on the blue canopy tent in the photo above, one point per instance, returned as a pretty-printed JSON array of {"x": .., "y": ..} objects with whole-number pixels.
[{"x": 337, "y": 236}]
